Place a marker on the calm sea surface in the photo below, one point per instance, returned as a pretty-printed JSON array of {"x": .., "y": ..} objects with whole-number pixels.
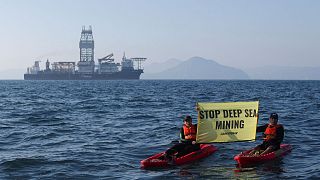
[{"x": 102, "y": 129}]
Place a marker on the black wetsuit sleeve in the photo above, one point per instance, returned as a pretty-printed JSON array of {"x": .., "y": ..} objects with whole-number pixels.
[
  {"x": 262, "y": 128},
  {"x": 280, "y": 134}
]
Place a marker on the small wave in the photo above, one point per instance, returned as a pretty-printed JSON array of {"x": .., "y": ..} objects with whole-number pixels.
[{"x": 21, "y": 163}]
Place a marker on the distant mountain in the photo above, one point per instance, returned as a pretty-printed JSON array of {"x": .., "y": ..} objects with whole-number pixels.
[
  {"x": 284, "y": 73},
  {"x": 198, "y": 68},
  {"x": 159, "y": 67}
]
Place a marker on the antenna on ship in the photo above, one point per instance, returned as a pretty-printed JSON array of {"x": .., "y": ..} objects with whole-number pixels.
[
  {"x": 47, "y": 65},
  {"x": 124, "y": 56}
]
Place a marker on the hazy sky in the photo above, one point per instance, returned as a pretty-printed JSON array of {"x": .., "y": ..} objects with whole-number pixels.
[{"x": 239, "y": 33}]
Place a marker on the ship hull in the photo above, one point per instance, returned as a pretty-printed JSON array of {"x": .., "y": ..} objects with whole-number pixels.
[{"x": 121, "y": 75}]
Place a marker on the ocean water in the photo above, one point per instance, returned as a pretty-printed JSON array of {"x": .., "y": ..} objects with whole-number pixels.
[{"x": 103, "y": 129}]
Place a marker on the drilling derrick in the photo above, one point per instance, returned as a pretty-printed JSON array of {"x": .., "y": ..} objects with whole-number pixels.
[{"x": 86, "y": 45}]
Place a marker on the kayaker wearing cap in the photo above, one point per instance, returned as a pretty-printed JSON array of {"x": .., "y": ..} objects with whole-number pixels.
[
  {"x": 187, "y": 142},
  {"x": 272, "y": 137}
]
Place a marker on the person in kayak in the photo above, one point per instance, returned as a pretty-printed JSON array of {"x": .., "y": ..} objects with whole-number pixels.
[
  {"x": 272, "y": 137},
  {"x": 187, "y": 142}
]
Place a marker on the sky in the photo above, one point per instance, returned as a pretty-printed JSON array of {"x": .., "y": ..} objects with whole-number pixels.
[{"x": 238, "y": 33}]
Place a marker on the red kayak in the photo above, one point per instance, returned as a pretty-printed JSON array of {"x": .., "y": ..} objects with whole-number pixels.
[
  {"x": 154, "y": 161},
  {"x": 244, "y": 158}
]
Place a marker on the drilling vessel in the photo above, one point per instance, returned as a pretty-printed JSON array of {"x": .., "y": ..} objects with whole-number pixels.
[{"x": 86, "y": 68}]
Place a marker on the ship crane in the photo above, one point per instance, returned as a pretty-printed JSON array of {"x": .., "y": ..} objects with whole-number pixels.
[
  {"x": 107, "y": 58},
  {"x": 107, "y": 64}
]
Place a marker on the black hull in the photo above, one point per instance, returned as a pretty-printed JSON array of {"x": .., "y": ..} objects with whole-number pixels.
[{"x": 122, "y": 75}]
